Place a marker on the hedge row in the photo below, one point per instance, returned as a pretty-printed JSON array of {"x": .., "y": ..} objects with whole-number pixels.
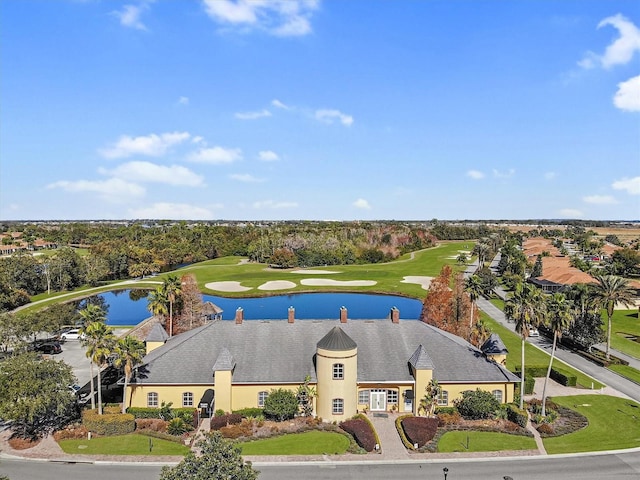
[
  {"x": 400, "y": 431},
  {"x": 538, "y": 371},
  {"x": 225, "y": 420},
  {"x": 188, "y": 415},
  {"x": 420, "y": 430},
  {"x": 250, "y": 412},
  {"x": 108, "y": 423},
  {"x": 517, "y": 416},
  {"x": 361, "y": 431}
]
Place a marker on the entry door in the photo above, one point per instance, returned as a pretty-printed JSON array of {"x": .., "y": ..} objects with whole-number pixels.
[{"x": 378, "y": 401}]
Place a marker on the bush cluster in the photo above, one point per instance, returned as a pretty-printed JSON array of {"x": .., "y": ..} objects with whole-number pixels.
[
  {"x": 108, "y": 423},
  {"x": 475, "y": 405},
  {"x": 361, "y": 431},
  {"x": 517, "y": 416},
  {"x": 539, "y": 371},
  {"x": 238, "y": 430},
  {"x": 253, "y": 412},
  {"x": 152, "y": 424},
  {"x": 188, "y": 415},
  {"x": 71, "y": 432},
  {"x": 420, "y": 430},
  {"x": 225, "y": 420}
]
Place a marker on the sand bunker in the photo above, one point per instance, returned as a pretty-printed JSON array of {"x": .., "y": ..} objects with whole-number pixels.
[
  {"x": 424, "y": 282},
  {"x": 277, "y": 285},
  {"x": 227, "y": 287},
  {"x": 322, "y": 282},
  {"x": 316, "y": 272}
]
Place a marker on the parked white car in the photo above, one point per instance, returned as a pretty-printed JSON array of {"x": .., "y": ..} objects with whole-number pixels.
[
  {"x": 73, "y": 334},
  {"x": 533, "y": 332}
]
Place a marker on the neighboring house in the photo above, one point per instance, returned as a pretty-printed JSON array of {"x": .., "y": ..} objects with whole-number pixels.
[{"x": 379, "y": 365}]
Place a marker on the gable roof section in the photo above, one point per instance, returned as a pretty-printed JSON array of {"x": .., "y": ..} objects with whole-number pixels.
[
  {"x": 420, "y": 359},
  {"x": 157, "y": 334},
  {"x": 224, "y": 361},
  {"x": 337, "y": 341},
  {"x": 280, "y": 352},
  {"x": 494, "y": 345}
]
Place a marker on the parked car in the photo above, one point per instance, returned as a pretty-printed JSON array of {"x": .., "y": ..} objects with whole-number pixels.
[
  {"x": 533, "y": 332},
  {"x": 73, "y": 334},
  {"x": 49, "y": 348}
]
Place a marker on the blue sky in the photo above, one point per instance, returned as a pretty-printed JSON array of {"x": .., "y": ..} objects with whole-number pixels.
[{"x": 319, "y": 109}]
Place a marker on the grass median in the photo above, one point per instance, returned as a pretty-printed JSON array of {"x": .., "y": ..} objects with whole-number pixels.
[
  {"x": 307, "y": 443},
  {"x": 123, "y": 445}
]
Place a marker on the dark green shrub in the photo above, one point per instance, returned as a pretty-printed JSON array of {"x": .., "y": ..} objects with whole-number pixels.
[
  {"x": 563, "y": 377},
  {"x": 281, "y": 404},
  {"x": 250, "y": 412},
  {"x": 176, "y": 426},
  {"x": 515, "y": 415},
  {"x": 477, "y": 405},
  {"x": 219, "y": 412},
  {"x": 108, "y": 423},
  {"x": 445, "y": 410},
  {"x": 529, "y": 385}
]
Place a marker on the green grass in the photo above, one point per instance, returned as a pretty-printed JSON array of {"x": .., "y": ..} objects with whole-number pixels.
[
  {"x": 308, "y": 443},
  {"x": 624, "y": 322},
  {"x": 626, "y": 371},
  {"x": 483, "y": 442},
  {"x": 614, "y": 423},
  {"x": 533, "y": 355},
  {"x": 123, "y": 445}
]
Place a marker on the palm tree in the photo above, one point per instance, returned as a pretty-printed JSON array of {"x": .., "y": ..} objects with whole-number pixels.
[
  {"x": 172, "y": 287},
  {"x": 99, "y": 341},
  {"x": 90, "y": 314},
  {"x": 473, "y": 286},
  {"x": 129, "y": 353},
  {"x": 158, "y": 303},
  {"x": 481, "y": 250},
  {"x": 560, "y": 318},
  {"x": 609, "y": 291},
  {"x": 525, "y": 307}
]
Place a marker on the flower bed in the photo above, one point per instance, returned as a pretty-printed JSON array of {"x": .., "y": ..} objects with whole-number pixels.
[
  {"x": 419, "y": 430},
  {"x": 361, "y": 431}
]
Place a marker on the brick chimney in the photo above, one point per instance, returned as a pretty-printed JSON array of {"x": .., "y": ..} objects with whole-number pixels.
[
  {"x": 343, "y": 314},
  {"x": 395, "y": 315},
  {"x": 291, "y": 314},
  {"x": 239, "y": 315}
]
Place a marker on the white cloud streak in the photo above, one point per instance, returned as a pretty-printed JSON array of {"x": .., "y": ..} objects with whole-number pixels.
[
  {"x": 278, "y": 104},
  {"x": 630, "y": 185},
  {"x": 328, "y": 116},
  {"x": 268, "y": 156},
  {"x": 362, "y": 204},
  {"x": 508, "y": 174},
  {"x": 152, "y": 145},
  {"x": 130, "y": 15},
  {"x": 114, "y": 190},
  {"x": 246, "y": 178},
  {"x": 627, "y": 97},
  {"x": 253, "y": 115},
  {"x": 600, "y": 199},
  {"x": 147, "y": 172},
  {"x": 475, "y": 174},
  {"x": 216, "y": 155}
]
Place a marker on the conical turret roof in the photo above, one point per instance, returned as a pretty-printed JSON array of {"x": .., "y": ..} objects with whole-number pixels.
[{"x": 336, "y": 340}]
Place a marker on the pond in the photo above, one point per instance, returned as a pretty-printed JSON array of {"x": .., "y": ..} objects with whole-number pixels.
[{"x": 123, "y": 310}]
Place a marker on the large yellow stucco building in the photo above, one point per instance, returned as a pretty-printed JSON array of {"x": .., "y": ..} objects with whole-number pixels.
[{"x": 378, "y": 365}]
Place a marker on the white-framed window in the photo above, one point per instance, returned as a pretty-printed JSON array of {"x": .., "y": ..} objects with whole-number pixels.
[
  {"x": 392, "y": 397},
  {"x": 363, "y": 397},
  {"x": 497, "y": 394},
  {"x": 152, "y": 399},
  {"x": 338, "y": 371},
  {"x": 443, "y": 398},
  {"x": 262, "y": 396},
  {"x": 337, "y": 406},
  {"x": 187, "y": 399}
]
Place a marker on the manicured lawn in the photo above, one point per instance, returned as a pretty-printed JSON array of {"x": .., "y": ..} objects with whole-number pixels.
[
  {"x": 614, "y": 423},
  {"x": 627, "y": 372},
  {"x": 307, "y": 443},
  {"x": 123, "y": 445},
  {"x": 484, "y": 442},
  {"x": 533, "y": 355},
  {"x": 624, "y": 322}
]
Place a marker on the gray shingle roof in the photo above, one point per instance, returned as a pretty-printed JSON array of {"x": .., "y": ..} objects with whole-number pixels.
[
  {"x": 494, "y": 345},
  {"x": 224, "y": 361},
  {"x": 420, "y": 359},
  {"x": 281, "y": 352},
  {"x": 337, "y": 341},
  {"x": 157, "y": 334}
]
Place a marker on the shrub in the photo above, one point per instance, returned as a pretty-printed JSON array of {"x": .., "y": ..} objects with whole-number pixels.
[
  {"x": 108, "y": 424},
  {"x": 238, "y": 430},
  {"x": 517, "y": 416},
  {"x": 176, "y": 426},
  {"x": 153, "y": 424},
  {"x": 71, "y": 432},
  {"x": 449, "y": 418},
  {"x": 254, "y": 412},
  {"x": 545, "y": 429},
  {"x": 361, "y": 431},
  {"x": 225, "y": 420},
  {"x": 219, "y": 412},
  {"x": 400, "y": 431},
  {"x": 186, "y": 414},
  {"x": 445, "y": 410},
  {"x": 420, "y": 430},
  {"x": 281, "y": 404},
  {"x": 477, "y": 405}
]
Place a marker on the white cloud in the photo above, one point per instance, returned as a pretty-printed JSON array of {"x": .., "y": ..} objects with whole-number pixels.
[
  {"x": 197, "y": 139},
  {"x": 277, "y": 103},
  {"x": 475, "y": 174},
  {"x": 268, "y": 156},
  {"x": 278, "y": 17},
  {"x": 245, "y": 177},
  {"x": 362, "y": 203},
  {"x": 571, "y": 213},
  {"x": 172, "y": 211},
  {"x": 621, "y": 50},
  {"x": 112, "y": 190},
  {"x": 151, "y": 145},
  {"x": 253, "y": 115},
  {"x": 150, "y": 172},
  {"x": 600, "y": 199},
  {"x": 328, "y": 116},
  {"x": 508, "y": 174},
  {"x": 129, "y": 16},
  {"x": 631, "y": 185},
  {"x": 183, "y": 101},
  {"x": 216, "y": 155},
  {"x": 270, "y": 204},
  {"x": 550, "y": 175},
  {"x": 628, "y": 95}
]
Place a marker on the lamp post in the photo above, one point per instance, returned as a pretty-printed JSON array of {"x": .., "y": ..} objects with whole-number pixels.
[{"x": 445, "y": 470}]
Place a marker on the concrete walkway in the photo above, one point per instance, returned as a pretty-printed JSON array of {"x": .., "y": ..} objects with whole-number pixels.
[{"x": 390, "y": 443}]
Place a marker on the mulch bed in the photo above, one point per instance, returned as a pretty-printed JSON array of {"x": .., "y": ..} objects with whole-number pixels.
[{"x": 23, "y": 443}]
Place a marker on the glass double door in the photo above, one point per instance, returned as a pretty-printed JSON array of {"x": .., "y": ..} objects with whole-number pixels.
[{"x": 378, "y": 400}]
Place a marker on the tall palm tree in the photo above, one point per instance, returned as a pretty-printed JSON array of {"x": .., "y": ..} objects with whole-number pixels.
[
  {"x": 129, "y": 353},
  {"x": 559, "y": 319},
  {"x": 158, "y": 303},
  {"x": 481, "y": 250},
  {"x": 581, "y": 296},
  {"x": 90, "y": 314},
  {"x": 609, "y": 291},
  {"x": 525, "y": 306},
  {"x": 172, "y": 286},
  {"x": 99, "y": 341},
  {"x": 473, "y": 286}
]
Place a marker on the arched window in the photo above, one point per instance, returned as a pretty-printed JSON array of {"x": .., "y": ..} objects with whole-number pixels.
[
  {"x": 187, "y": 399},
  {"x": 152, "y": 400},
  {"x": 338, "y": 371},
  {"x": 497, "y": 395},
  {"x": 443, "y": 398},
  {"x": 262, "y": 396},
  {"x": 338, "y": 406}
]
